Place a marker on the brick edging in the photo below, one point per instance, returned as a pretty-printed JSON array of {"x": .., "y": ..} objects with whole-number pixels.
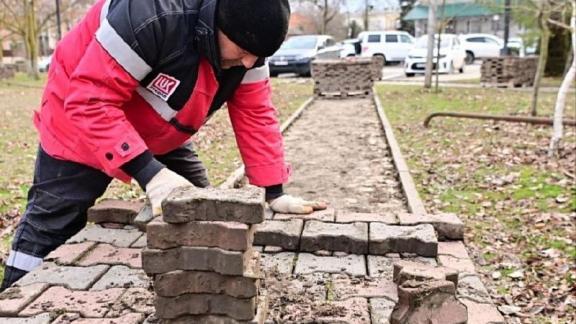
[
  {"x": 415, "y": 203},
  {"x": 238, "y": 174}
]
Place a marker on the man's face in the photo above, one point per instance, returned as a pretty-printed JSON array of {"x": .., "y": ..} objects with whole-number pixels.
[{"x": 232, "y": 55}]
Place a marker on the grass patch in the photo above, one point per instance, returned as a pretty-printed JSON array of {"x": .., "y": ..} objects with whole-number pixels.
[{"x": 515, "y": 201}]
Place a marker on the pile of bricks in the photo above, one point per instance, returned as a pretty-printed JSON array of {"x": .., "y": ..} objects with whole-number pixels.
[
  {"x": 427, "y": 294},
  {"x": 344, "y": 77},
  {"x": 201, "y": 258},
  {"x": 508, "y": 71}
]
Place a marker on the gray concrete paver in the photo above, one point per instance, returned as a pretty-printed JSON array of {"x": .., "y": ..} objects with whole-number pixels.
[
  {"x": 120, "y": 276},
  {"x": 71, "y": 277},
  {"x": 116, "y": 237}
]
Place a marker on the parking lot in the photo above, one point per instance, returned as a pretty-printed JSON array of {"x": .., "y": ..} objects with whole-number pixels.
[{"x": 395, "y": 72}]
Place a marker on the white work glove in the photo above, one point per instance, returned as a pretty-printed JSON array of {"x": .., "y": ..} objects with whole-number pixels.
[
  {"x": 287, "y": 204},
  {"x": 161, "y": 185}
]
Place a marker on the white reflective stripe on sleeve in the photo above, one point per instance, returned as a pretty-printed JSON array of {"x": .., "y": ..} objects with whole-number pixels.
[
  {"x": 104, "y": 11},
  {"x": 121, "y": 52},
  {"x": 256, "y": 75},
  {"x": 159, "y": 105},
  {"x": 23, "y": 261}
]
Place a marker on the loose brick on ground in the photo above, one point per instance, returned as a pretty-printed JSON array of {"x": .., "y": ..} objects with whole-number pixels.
[
  {"x": 349, "y": 238},
  {"x": 116, "y": 237},
  {"x": 232, "y": 236},
  {"x": 345, "y": 287},
  {"x": 244, "y": 205},
  {"x": 87, "y": 303},
  {"x": 406, "y": 270},
  {"x": 351, "y": 264},
  {"x": 381, "y": 266},
  {"x": 108, "y": 254},
  {"x": 179, "y": 282},
  {"x": 432, "y": 301},
  {"x": 282, "y": 262},
  {"x": 386, "y": 218},
  {"x": 72, "y": 277},
  {"x": 285, "y": 234},
  {"x": 196, "y": 258},
  {"x": 326, "y": 215},
  {"x": 199, "y": 304},
  {"x": 419, "y": 239},
  {"x": 120, "y": 276},
  {"x": 67, "y": 254},
  {"x": 114, "y": 211},
  {"x": 447, "y": 225},
  {"x": 132, "y": 318},
  {"x": 14, "y": 299}
]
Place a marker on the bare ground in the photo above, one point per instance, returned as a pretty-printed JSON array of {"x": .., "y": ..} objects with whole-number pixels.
[{"x": 339, "y": 153}]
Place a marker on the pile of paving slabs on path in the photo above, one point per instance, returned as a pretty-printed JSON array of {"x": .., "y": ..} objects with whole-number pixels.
[{"x": 201, "y": 257}]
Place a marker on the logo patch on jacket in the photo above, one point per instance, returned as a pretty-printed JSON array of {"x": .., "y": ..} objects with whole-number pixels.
[{"x": 163, "y": 86}]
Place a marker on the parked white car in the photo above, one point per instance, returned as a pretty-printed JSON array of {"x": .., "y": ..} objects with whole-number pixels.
[
  {"x": 44, "y": 63},
  {"x": 481, "y": 46},
  {"x": 452, "y": 55},
  {"x": 393, "y": 46}
]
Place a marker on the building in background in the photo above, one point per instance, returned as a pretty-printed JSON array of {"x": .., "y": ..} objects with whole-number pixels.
[{"x": 463, "y": 17}]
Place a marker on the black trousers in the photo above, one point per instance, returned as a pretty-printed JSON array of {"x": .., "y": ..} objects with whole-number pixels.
[{"x": 61, "y": 193}]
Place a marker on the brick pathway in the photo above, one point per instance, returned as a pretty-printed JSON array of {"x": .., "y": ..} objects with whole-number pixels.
[
  {"x": 97, "y": 276},
  {"x": 333, "y": 266}
]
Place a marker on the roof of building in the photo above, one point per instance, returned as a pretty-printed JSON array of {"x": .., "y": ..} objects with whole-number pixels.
[{"x": 451, "y": 10}]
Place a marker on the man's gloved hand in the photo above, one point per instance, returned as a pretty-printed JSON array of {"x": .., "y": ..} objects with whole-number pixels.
[
  {"x": 287, "y": 204},
  {"x": 161, "y": 185}
]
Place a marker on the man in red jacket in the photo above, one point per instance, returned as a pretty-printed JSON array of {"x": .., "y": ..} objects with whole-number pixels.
[{"x": 127, "y": 88}]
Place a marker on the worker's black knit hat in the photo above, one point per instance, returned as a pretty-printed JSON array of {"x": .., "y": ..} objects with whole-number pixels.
[{"x": 257, "y": 26}]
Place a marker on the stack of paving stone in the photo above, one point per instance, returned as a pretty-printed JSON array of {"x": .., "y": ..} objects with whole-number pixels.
[
  {"x": 201, "y": 259},
  {"x": 508, "y": 71},
  {"x": 377, "y": 66},
  {"x": 342, "y": 78}
]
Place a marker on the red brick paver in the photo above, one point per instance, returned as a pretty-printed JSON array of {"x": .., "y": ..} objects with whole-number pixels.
[
  {"x": 88, "y": 304},
  {"x": 14, "y": 299},
  {"x": 107, "y": 254}
]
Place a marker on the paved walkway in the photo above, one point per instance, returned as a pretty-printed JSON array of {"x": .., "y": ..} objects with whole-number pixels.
[{"x": 333, "y": 266}]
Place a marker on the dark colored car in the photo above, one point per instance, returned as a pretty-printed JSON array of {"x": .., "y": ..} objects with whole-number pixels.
[{"x": 296, "y": 53}]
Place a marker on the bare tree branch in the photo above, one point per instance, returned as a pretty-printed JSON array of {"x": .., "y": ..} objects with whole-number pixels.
[{"x": 559, "y": 24}]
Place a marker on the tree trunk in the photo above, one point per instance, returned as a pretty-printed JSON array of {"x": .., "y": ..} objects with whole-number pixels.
[
  {"x": 366, "y": 14},
  {"x": 544, "y": 39},
  {"x": 325, "y": 17},
  {"x": 429, "y": 56},
  {"x": 563, "y": 91},
  {"x": 31, "y": 39}
]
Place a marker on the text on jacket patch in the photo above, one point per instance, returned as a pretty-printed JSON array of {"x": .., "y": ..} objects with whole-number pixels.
[{"x": 163, "y": 86}]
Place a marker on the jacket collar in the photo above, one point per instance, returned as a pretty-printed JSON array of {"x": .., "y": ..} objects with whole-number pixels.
[{"x": 206, "y": 35}]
